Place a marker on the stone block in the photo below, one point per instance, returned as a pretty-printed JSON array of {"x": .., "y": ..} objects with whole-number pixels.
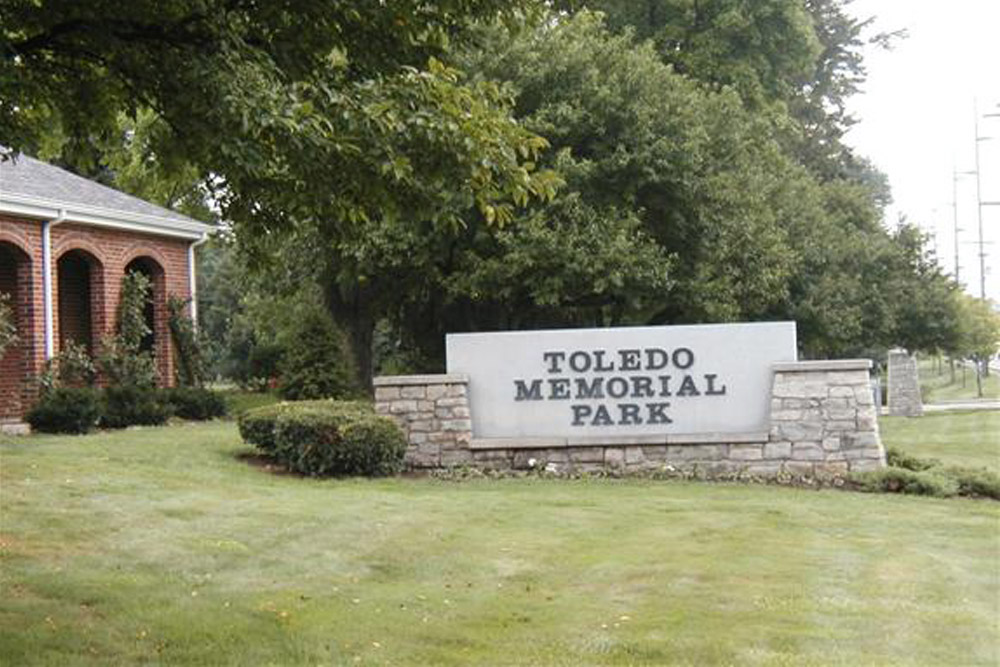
[
  {"x": 382, "y": 408},
  {"x": 798, "y": 468},
  {"x": 746, "y": 452},
  {"x": 863, "y": 440},
  {"x": 832, "y": 468},
  {"x": 832, "y": 443},
  {"x": 436, "y": 391},
  {"x": 425, "y": 406},
  {"x": 452, "y": 402},
  {"x": 456, "y": 425},
  {"x": 763, "y": 468},
  {"x": 614, "y": 457},
  {"x": 840, "y": 414},
  {"x": 864, "y": 465},
  {"x": 842, "y": 392},
  {"x": 799, "y": 403},
  {"x": 777, "y": 450},
  {"x": 867, "y": 420},
  {"x": 846, "y": 378},
  {"x": 418, "y": 391},
  {"x": 875, "y": 453},
  {"x": 455, "y": 457},
  {"x": 417, "y": 438},
  {"x": 398, "y": 407},
  {"x": 443, "y": 437},
  {"x": 424, "y": 425},
  {"x": 386, "y": 393},
  {"x": 586, "y": 454},
  {"x": 655, "y": 452},
  {"x": 812, "y": 430},
  {"x": 463, "y": 438},
  {"x": 834, "y": 426},
  {"x": 807, "y": 451},
  {"x": 634, "y": 455},
  {"x": 697, "y": 452},
  {"x": 461, "y": 411},
  {"x": 444, "y": 413},
  {"x": 864, "y": 395},
  {"x": 457, "y": 390}
]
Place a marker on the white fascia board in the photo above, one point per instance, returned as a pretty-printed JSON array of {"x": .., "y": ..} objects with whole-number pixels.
[{"x": 44, "y": 209}]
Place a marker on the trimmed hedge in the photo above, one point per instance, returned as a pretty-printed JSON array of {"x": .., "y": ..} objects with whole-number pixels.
[
  {"x": 326, "y": 438},
  {"x": 196, "y": 403},
  {"x": 134, "y": 406},
  {"x": 66, "y": 410}
]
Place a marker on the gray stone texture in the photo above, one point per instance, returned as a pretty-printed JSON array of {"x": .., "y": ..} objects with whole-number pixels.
[
  {"x": 823, "y": 422},
  {"x": 904, "y": 385}
]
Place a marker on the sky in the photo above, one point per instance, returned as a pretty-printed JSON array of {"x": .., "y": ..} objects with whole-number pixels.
[{"x": 916, "y": 122}]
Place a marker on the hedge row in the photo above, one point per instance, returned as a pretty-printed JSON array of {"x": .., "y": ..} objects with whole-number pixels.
[
  {"x": 80, "y": 409},
  {"x": 326, "y": 438}
]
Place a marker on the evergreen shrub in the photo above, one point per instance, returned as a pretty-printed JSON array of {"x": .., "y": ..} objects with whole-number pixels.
[
  {"x": 66, "y": 410},
  {"x": 316, "y": 360},
  {"x": 196, "y": 403},
  {"x": 131, "y": 405},
  {"x": 326, "y": 438}
]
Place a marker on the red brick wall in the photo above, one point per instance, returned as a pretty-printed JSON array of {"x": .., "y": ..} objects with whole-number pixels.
[{"x": 108, "y": 252}]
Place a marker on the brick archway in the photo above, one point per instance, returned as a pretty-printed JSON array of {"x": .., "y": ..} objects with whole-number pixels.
[
  {"x": 80, "y": 299},
  {"x": 16, "y": 362},
  {"x": 158, "y": 341}
]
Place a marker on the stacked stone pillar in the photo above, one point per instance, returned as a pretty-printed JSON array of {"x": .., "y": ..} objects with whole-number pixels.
[{"x": 904, "y": 385}]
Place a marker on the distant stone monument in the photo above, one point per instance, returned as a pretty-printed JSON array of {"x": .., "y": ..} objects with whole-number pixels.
[{"x": 904, "y": 384}]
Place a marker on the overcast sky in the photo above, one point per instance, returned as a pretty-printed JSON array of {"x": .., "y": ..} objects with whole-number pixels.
[{"x": 916, "y": 121}]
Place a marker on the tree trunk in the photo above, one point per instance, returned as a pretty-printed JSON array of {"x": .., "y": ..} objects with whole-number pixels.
[{"x": 352, "y": 309}]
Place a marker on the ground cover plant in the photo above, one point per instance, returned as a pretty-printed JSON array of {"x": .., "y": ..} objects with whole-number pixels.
[{"x": 165, "y": 545}]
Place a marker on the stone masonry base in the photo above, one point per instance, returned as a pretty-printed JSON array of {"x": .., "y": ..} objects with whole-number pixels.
[{"x": 822, "y": 422}]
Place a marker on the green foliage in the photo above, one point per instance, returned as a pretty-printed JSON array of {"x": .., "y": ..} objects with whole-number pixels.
[
  {"x": 8, "y": 324},
  {"x": 122, "y": 360},
  {"x": 195, "y": 403},
  {"x": 976, "y": 483},
  {"x": 901, "y": 480},
  {"x": 133, "y": 405},
  {"x": 66, "y": 410},
  {"x": 897, "y": 458},
  {"x": 190, "y": 363},
  {"x": 72, "y": 367},
  {"x": 324, "y": 438},
  {"x": 316, "y": 362}
]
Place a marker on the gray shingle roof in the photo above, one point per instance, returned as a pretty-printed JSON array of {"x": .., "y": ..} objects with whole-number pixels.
[{"x": 26, "y": 176}]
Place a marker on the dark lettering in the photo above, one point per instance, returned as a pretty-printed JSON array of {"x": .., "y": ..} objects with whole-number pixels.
[
  {"x": 554, "y": 358},
  {"x": 559, "y": 388},
  {"x": 579, "y": 412},
  {"x": 601, "y": 417},
  {"x": 526, "y": 394},
  {"x": 642, "y": 386},
  {"x": 630, "y": 414},
  {"x": 688, "y": 388},
  {"x": 656, "y": 359},
  {"x": 617, "y": 387},
  {"x": 579, "y": 367},
  {"x": 599, "y": 364},
  {"x": 630, "y": 360},
  {"x": 683, "y": 358},
  {"x": 665, "y": 385},
  {"x": 711, "y": 390},
  {"x": 657, "y": 414},
  {"x": 595, "y": 389}
]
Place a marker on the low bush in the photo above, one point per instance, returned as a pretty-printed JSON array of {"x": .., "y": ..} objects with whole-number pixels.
[
  {"x": 66, "y": 410},
  {"x": 324, "y": 438},
  {"x": 134, "y": 406},
  {"x": 977, "y": 483},
  {"x": 901, "y": 480},
  {"x": 195, "y": 403},
  {"x": 900, "y": 459}
]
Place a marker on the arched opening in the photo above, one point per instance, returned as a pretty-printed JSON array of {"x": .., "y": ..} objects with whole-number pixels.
[
  {"x": 15, "y": 281},
  {"x": 79, "y": 288},
  {"x": 155, "y": 308}
]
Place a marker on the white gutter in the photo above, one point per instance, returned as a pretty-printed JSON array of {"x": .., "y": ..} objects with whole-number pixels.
[
  {"x": 192, "y": 282},
  {"x": 47, "y": 226}
]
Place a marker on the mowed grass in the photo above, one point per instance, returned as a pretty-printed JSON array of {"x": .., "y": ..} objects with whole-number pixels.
[
  {"x": 162, "y": 546},
  {"x": 970, "y": 439},
  {"x": 938, "y": 386}
]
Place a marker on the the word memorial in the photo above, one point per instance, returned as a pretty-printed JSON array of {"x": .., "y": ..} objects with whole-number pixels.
[{"x": 621, "y": 382}]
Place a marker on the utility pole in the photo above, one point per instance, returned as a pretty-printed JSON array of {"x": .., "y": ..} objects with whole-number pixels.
[
  {"x": 954, "y": 212},
  {"x": 979, "y": 198}
]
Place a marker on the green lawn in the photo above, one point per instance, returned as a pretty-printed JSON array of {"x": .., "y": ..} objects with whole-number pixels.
[
  {"x": 162, "y": 546},
  {"x": 937, "y": 386},
  {"x": 969, "y": 439}
]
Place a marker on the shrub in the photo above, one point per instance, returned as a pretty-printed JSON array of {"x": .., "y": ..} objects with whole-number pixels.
[
  {"x": 66, "y": 410},
  {"x": 195, "y": 403},
  {"x": 900, "y": 459},
  {"x": 978, "y": 483},
  {"x": 322, "y": 438},
  {"x": 901, "y": 480},
  {"x": 191, "y": 371},
  {"x": 315, "y": 362},
  {"x": 132, "y": 405}
]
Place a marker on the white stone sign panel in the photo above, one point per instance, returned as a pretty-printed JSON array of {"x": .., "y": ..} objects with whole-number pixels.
[{"x": 582, "y": 384}]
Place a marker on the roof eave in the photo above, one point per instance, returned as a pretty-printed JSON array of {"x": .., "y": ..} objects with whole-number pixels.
[{"x": 44, "y": 209}]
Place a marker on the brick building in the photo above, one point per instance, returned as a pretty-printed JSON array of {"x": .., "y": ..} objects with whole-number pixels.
[{"x": 65, "y": 243}]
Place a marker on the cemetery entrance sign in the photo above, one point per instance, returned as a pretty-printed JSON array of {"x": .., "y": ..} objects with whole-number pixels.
[
  {"x": 621, "y": 383},
  {"x": 728, "y": 399}
]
